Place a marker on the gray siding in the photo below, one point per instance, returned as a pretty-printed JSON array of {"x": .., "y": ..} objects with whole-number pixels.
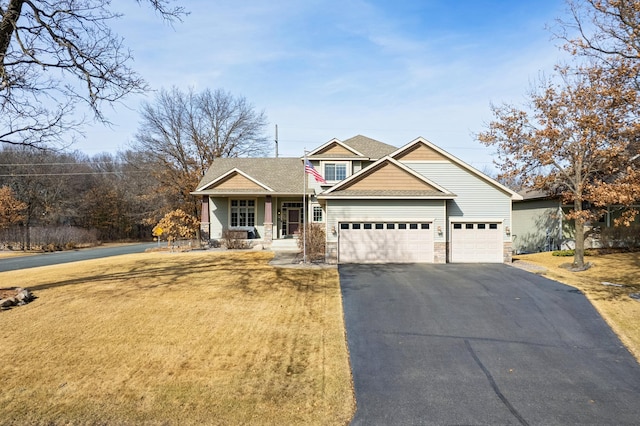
[
  {"x": 475, "y": 197},
  {"x": 536, "y": 226},
  {"x": 389, "y": 210},
  {"x": 219, "y": 216}
]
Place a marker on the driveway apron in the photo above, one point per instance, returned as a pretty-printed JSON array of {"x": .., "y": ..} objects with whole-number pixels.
[{"x": 463, "y": 344}]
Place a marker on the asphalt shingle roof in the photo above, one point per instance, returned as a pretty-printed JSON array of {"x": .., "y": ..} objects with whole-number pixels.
[
  {"x": 369, "y": 147},
  {"x": 283, "y": 175}
]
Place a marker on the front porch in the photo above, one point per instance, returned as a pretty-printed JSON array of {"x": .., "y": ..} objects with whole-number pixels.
[{"x": 263, "y": 219}]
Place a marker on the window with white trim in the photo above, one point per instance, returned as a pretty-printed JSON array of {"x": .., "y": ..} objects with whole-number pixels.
[
  {"x": 243, "y": 213},
  {"x": 317, "y": 214},
  {"x": 335, "y": 171}
]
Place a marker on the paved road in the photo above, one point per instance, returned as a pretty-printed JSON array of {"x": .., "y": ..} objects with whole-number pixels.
[
  {"x": 481, "y": 345},
  {"x": 56, "y": 258}
]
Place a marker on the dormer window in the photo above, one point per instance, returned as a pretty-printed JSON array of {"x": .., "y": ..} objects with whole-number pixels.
[{"x": 334, "y": 172}]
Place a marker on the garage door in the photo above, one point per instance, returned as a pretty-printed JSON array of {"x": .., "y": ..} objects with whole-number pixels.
[
  {"x": 385, "y": 242},
  {"x": 476, "y": 242}
]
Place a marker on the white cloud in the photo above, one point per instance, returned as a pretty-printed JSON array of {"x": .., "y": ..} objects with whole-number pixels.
[{"x": 324, "y": 69}]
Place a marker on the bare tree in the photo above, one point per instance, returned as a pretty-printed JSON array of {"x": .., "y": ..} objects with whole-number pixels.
[
  {"x": 57, "y": 54},
  {"x": 183, "y": 132},
  {"x": 603, "y": 29}
]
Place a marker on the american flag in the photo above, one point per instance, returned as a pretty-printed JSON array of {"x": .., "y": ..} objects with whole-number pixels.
[{"x": 308, "y": 168}]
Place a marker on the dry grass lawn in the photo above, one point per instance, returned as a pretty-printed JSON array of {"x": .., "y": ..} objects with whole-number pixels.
[
  {"x": 5, "y": 254},
  {"x": 190, "y": 338},
  {"x": 620, "y": 311}
]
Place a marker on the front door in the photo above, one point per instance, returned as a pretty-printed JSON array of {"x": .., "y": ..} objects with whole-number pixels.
[{"x": 293, "y": 221}]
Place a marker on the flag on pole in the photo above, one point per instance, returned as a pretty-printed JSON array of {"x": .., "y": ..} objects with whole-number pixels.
[{"x": 309, "y": 169}]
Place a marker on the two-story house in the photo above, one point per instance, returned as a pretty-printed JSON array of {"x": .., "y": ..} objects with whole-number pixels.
[{"x": 378, "y": 203}]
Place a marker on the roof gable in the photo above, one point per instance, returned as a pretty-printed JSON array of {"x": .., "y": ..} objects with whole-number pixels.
[
  {"x": 272, "y": 175},
  {"x": 422, "y": 147},
  {"x": 419, "y": 152},
  {"x": 334, "y": 148},
  {"x": 236, "y": 180},
  {"x": 388, "y": 177}
]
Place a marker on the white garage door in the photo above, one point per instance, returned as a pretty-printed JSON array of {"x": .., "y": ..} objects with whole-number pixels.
[
  {"x": 476, "y": 242},
  {"x": 385, "y": 242}
]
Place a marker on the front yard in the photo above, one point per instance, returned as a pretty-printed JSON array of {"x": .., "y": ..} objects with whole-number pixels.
[
  {"x": 620, "y": 272},
  {"x": 192, "y": 338}
]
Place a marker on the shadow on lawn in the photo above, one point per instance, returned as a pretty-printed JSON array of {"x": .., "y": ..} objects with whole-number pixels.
[{"x": 250, "y": 273}]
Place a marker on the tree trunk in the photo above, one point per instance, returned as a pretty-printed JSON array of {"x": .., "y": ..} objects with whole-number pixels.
[
  {"x": 578, "y": 258},
  {"x": 7, "y": 27}
]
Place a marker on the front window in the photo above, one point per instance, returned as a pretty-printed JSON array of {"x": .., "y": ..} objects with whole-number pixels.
[
  {"x": 335, "y": 171},
  {"x": 243, "y": 212},
  {"x": 317, "y": 214}
]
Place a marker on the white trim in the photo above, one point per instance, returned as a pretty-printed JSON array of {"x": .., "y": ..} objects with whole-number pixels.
[
  {"x": 475, "y": 220},
  {"x": 420, "y": 139},
  {"x": 387, "y": 220},
  {"x": 348, "y": 171},
  {"x": 388, "y": 197},
  {"x": 255, "y": 211},
  {"x": 235, "y": 170},
  {"x": 320, "y": 158},
  {"x": 371, "y": 168},
  {"x": 332, "y": 141},
  {"x": 324, "y": 214}
]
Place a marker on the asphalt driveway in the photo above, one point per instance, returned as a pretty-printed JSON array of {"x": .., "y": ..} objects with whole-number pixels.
[{"x": 481, "y": 345}]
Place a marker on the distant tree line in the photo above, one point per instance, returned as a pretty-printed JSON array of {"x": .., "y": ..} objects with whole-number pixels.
[{"x": 123, "y": 195}]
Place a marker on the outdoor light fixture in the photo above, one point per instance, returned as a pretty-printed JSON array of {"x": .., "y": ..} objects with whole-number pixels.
[
  {"x": 333, "y": 230},
  {"x": 439, "y": 230},
  {"x": 507, "y": 230}
]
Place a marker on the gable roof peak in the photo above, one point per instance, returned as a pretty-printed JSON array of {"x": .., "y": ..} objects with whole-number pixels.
[
  {"x": 420, "y": 140},
  {"x": 372, "y": 169}
]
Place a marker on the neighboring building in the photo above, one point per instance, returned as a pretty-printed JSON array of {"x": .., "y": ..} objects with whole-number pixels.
[
  {"x": 540, "y": 224},
  {"x": 537, "y": 223},
  {"x": 380, "y": 203}
]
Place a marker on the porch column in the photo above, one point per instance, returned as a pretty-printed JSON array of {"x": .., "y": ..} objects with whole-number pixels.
[
  {"x": 204, "y": 218},
  {"x": 268, "y": 219}
]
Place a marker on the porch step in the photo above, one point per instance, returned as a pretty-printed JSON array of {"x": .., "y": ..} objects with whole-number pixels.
[{"x": 286, "y": 244}]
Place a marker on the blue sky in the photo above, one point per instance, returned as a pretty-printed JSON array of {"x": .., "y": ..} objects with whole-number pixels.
[{"x": 390, "y": 70}]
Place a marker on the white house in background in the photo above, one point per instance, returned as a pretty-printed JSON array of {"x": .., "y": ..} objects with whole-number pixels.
[{"x": 378, "y": 204}]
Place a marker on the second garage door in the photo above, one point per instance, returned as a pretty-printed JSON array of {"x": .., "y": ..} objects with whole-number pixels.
[
  {"x": 385, "y": 242},
  {"x": 476, "y": 242}
]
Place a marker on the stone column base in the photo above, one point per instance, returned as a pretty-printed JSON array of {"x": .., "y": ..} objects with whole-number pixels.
[
  {"x": 268, "y": 232},
  {"x": 507, "y": 252},
  {"x": 440, "y": 252},
  {"x": 204, "y": 231},
  {"x": 331, "y": 252}
]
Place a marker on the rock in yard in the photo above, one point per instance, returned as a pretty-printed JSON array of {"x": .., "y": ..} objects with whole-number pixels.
[
  {"x": 9, "y": 302},
  {"x": 10, "y": 297},
  {"x": 24, "y": 296}
]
